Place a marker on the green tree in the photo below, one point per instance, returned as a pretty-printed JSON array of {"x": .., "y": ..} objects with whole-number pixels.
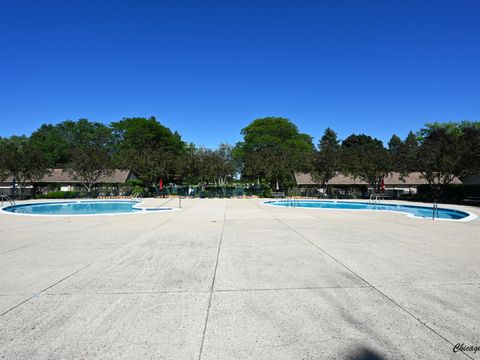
[
  {"x": 365, "y": 158},
  {"x": 447, "y": 151},
  {"x": 208, "y": 166},
  {"x": 23, "y": 160},
  {"x": 471, "y": 136},
  {"x": 82, "y": 148},
  {"x": 326, "y": 161},
  {"x": 273, "y": 150},
  {"x": 227, "y": 165},
  {"x": 148, "y": 148},
  {"x": 409, "y": 154},
  {"x": 54, "y": 141},
  {"x": 395, "y": 145},
  {"x": 90, "y": 151},
  {"x": 186, "y": 165}
]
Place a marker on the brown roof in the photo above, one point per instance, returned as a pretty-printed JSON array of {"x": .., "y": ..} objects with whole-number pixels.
[
  {"x": 393, "y": 179},
  {"x": 61, "y": 176}
]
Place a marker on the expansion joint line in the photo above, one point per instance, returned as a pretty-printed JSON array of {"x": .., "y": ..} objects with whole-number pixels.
[
  {"x": 70, "y": 275},
  {"x": 47, "y": 288},
  {"x": 364, "y": 280},
  {"x": 58, "y": 236},
  {"x": 213, "y": 283}
]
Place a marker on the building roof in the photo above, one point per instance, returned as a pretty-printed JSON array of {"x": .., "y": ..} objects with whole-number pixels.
[
  {"x": 60, "y": 176},
  {"x": 393, "y": 179}
]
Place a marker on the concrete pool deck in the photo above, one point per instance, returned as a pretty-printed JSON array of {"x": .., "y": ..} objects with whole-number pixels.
[{"x": 236, "y": 279}]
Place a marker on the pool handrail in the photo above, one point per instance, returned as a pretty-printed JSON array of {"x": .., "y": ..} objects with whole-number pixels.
[{"x": 7, "y": 198}]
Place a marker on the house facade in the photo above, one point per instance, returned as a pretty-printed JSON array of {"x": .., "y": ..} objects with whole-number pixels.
[
  {"x": 395, "y": 184},
  {"x": 59, "y": 179}
]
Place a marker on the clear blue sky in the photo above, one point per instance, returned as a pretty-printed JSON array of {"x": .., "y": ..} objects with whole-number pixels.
[{"x": 208, "y": 68}]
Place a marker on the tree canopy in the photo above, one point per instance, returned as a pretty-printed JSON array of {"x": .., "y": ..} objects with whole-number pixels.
[
  {"x": 326, "y": 160},
  {"x": 22, "y": 159},
  {"x": 147, "y": 147},
  {"x": 448, "y": 150},
  {"x": 365, "y": 158},
  {"x": 273, "y": 149},
  {"x": 90, "y": 151}
]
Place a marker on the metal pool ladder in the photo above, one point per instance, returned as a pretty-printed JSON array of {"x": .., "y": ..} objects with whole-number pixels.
[
  {"x": 373, "y": 199},
  {"x": 435, "y": 210},
  {"x": 7, "y": 198},
  {"x": 137, "y": 197},
  {"x": 292, "y": 202}
]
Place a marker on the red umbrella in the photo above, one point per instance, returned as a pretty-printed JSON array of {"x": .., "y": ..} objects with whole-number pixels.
[
  {"x": 160, "y": 185},
  {"x": 382, "y": 186}
]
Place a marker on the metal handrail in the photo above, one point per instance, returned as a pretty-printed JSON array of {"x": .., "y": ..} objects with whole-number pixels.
[
  {"x": 7, "y": 198},
  {"x": 435, "y": 209},
  {"x": 136, "y": 197},
  {"x": 292, "y": 202}
]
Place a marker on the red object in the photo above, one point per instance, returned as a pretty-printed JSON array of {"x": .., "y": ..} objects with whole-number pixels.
[
  {"x": 160, "y": 185},
  {"x": 382, "y": 186}
]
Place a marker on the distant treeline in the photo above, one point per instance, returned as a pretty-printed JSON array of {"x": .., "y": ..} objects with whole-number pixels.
[{"x": 272, "y": 150}]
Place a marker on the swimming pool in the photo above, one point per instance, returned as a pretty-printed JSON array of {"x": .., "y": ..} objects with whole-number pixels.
[
  {"x": 410, "y": 210},
  {"x": 69, "y": 208}
]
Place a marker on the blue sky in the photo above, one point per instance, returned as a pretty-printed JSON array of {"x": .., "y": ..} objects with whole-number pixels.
[{"x": 208, "y": 68}]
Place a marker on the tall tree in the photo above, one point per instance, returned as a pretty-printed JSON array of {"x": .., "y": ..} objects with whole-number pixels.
[
  {"x": 227, "y": 165},
  {"x": 326, "y": 161},
  {"x": 365, "y": 158},
  {"x": 408, "y": 155},
  {"x": 23, "y": 160},
  {"x": 186, "y": 165},
  {"x": 395, "y": 145},
  {"x": 273, "y": 150},
  {"x": 54, "y": 141},
  {"x": 209, "y": 166},
  {"x": 447, "y": 151},
  {"x": 90, "y": 151},
  {"x": 3, "y": 170},
  {"x": 148, "y": 148}
]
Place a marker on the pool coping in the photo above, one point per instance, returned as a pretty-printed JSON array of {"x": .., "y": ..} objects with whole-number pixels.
[
  {"x": 471, "y": 216},
  {"x": 141, "y": 210}
]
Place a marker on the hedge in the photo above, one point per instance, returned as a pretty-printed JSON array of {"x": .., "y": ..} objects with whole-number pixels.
[{"x": 453, "y": 193}]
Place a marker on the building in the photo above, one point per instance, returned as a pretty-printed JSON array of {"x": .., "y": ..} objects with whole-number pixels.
[
  {"x": 395, "y": 185},
  {"x": 59, "y": 179}
]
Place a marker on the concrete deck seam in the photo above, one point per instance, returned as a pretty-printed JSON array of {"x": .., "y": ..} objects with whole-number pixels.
[
  {"x": 368, "y": 283},
  {"x": 47, "y": 288},
  {"x": 198, "y": 291},
  {"x": 57, "y": 236},
  {"x": 128, "y": 292},
  {"x": 213, "y": 283},
  {"x": 74, "y": 273},
  {"x": 234, "y": 290},
  {"x": 28, "y": 226}
]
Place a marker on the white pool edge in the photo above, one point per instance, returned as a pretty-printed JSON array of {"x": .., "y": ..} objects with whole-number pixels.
[
  {"x": 471, "y": 216},
  {"x": 141, "y": 210}
]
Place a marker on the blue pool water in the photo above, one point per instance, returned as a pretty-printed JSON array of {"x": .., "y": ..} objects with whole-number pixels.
[
  {"x": 417, "y": 211},
  {"x": 79, "y": 208}
]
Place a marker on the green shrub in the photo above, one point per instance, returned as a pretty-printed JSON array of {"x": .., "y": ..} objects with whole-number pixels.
[
  {"x": 135, "y": 183},
  {"x": 137, "y": 191},
  {"x": 454, "y": 193},
  {"x": 266, "y": 193}
]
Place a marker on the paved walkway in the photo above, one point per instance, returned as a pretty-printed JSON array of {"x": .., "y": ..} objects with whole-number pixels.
[{"x": 235, "y": 279}]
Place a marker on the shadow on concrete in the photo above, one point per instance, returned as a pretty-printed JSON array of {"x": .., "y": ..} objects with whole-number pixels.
[{"x": 364, "y": 353}]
